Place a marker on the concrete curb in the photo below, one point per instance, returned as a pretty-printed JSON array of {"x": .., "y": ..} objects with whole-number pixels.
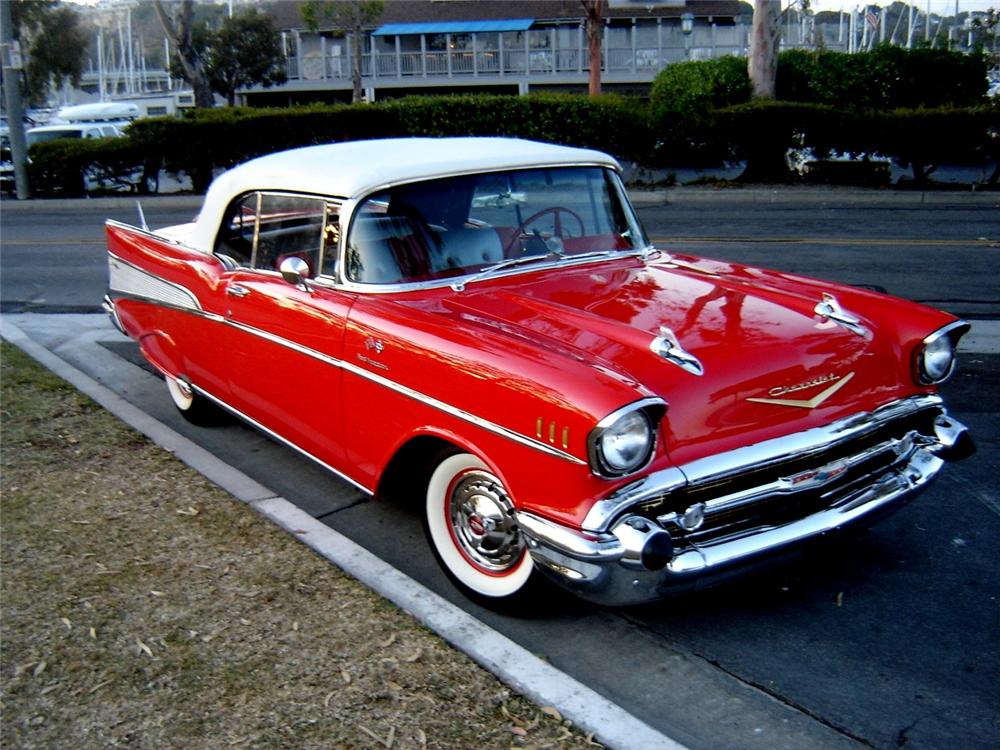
[{"x": 511, "y": 663}]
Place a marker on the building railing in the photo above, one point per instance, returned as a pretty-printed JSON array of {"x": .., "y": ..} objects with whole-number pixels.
[{"x": 632, "y": 53}]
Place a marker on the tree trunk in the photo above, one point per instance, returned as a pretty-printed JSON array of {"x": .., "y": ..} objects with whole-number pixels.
[
  {"x": 188, "y": 57},
  {"x": 765, "y": 150},
  {"x": 595, "y": 31},
  {"x": 765, "y": 35},
  {"x": 358, "y": 94}
]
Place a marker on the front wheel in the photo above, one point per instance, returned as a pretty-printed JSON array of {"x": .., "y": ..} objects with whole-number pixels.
[{"x": 472, "y": 529}]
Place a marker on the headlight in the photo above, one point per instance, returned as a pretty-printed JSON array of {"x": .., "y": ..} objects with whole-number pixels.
[
  {"x": 623, "y": 442},
  {"x": 936, "y": 354}
]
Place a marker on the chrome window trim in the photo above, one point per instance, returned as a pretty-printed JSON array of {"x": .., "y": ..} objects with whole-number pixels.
[
  {"x": 349, "y": 208},
  {"x": 412, "y": 286}
]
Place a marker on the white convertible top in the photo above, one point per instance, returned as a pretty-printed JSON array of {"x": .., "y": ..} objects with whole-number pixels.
[{"x": 353, "y": 169}]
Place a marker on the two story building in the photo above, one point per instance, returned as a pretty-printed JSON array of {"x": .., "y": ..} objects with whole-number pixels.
[{"x": 514, "y": 47}]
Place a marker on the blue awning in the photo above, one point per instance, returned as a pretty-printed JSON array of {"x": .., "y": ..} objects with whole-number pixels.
[{"x": 453, "y": 27}]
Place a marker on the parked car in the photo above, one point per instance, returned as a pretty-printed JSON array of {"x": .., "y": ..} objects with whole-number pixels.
[
  {"x": 480, "y": 327},
  {"x": 139, "y": 179},
  {"x": 6, "y": 160}
]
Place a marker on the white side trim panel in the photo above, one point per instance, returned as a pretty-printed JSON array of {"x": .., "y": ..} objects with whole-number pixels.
[{"x": 125, "y": 278}]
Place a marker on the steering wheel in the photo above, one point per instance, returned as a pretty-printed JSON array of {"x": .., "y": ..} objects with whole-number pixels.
[{"x": 557, "y": 211}]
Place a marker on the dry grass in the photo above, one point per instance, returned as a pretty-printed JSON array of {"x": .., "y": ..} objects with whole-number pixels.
[{"x": 143, "y": 607}]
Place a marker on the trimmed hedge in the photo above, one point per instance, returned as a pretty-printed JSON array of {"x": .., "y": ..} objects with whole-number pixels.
[
  {"x": 764, "y": 132},
  {"x": 886, "y": 77},
  {"x": 58, "y": 167},
  {"x": 220, "y": 138},
  {"x": 760, "y": 132}
]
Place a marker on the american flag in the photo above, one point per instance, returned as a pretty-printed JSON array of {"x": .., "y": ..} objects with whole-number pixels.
[{"x": 871, "y": 16}]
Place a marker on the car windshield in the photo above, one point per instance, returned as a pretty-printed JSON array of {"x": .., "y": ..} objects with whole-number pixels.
[{"x": 460, "y": 225}]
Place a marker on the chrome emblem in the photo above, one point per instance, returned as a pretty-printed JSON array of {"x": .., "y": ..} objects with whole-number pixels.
[
  {"x": 817, "y": 477},
  {"x": 374, "y": 345},
  {"x": 838, "y": 383}
]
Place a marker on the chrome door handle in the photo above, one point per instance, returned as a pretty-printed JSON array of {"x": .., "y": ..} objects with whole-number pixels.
[{"x": 235, "y": 290}]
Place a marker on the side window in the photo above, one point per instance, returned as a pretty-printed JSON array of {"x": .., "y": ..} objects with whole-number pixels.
[
  {"x": 289, "y": 226},
  {"x": 235, "y": 241}
]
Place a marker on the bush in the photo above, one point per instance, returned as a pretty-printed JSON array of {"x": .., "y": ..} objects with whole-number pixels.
[
  {"x": 922, "y": 139},
  {"x": 763, "y": 132},
  {"x": 64, "y": 167},
  {"x": 886, "y": 77},
  {"x": 696, "y": 87},
  {"x": 760, "y": 132},
  {"x": 207, "y": 139}
]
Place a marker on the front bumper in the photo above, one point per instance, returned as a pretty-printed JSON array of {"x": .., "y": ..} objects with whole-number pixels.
[{"x": 640, "y": 544}]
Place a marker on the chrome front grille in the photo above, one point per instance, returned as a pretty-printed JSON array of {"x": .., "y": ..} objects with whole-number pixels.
[{"x": 778, "y": 492}]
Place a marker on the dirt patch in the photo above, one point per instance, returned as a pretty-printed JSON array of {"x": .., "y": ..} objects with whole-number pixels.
[{"x": 143, "y": 607}]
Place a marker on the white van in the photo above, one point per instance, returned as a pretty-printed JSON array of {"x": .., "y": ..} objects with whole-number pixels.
[
  {"x": 138, "y": 180},
  {"x": 73, "y": 130}
]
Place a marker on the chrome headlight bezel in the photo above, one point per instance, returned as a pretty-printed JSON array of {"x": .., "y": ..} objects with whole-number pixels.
[
  {"x": 934, "y": 359},
  {"x": 624, "y": 442}
]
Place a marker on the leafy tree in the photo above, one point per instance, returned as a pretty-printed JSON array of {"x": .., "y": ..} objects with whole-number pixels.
[
  {"x": 189, "y": 44},
  {"x": 348, "y": 17},
  {"x": 245, "y": 52},
  {"x": 53, "y": 42}
]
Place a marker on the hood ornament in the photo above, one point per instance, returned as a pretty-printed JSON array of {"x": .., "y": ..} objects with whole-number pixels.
[
  {"x": 830, "y": 309},
  {"x": 667, "y": 346}
]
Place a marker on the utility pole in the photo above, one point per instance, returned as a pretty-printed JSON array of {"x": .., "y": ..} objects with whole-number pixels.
[{"x": 15, "y": 111}]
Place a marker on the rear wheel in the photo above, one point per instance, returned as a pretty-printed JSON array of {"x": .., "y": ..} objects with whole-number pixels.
[
  {"x": 472, "y": 529},
  {"x": 194, "y": 408}
]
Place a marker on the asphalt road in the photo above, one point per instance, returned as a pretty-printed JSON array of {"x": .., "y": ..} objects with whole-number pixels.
[{"x": 885, "y": 639}]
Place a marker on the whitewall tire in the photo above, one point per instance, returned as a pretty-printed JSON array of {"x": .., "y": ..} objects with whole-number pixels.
[{"x": 472, "y": 529}]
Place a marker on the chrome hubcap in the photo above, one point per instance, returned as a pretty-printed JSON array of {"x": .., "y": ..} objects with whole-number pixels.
[{"x": 482, "y": 523}]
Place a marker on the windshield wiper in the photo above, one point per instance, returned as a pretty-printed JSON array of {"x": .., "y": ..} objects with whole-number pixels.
[{"x": 459, "y": 286}]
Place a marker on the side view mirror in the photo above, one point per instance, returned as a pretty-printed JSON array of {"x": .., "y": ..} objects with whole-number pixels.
[{"x": 295, "y": 271}]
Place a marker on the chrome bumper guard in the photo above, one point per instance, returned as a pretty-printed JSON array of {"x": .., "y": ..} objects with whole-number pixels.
[
  {"x": 635, "y": 558},
  {"x": 109, "y": 307}
]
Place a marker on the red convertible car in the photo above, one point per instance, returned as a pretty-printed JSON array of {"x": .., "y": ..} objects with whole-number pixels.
[{"x": 480, "y": 326}]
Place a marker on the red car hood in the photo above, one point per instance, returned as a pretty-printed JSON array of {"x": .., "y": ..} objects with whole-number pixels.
[{"x": 771, "y": 364}]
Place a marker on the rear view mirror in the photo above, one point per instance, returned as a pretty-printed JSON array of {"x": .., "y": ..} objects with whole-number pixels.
[{"x": 295, "y": 271}]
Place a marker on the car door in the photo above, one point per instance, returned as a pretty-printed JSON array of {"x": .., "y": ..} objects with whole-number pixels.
[{"x": 285, "y": 340}]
